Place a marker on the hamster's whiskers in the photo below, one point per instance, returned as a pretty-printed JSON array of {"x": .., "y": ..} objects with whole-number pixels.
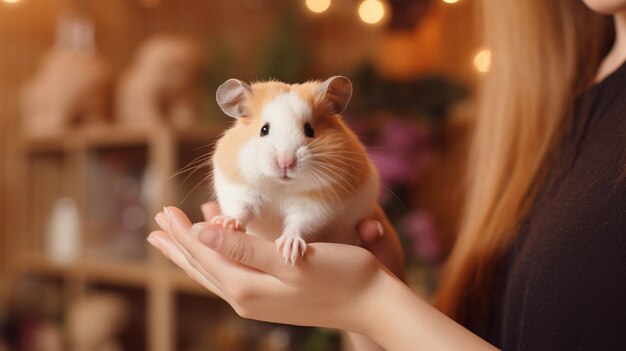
[
  {"x": 207, "y": 177},
  {"x": 319, "y": 181},
  {"x": 202, "y": 160},
  {"x": 314, "y": 177},
  {"x": 193, "y": 165},
  {"x": 340, "y": 160},
  {"x": 333, "y": 174},
  {"x": 344, "y": 161}
]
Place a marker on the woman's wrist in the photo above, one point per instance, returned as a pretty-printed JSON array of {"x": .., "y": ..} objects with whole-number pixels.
[
  {"x": 363, "y": 311},
  {"x": 380, "y": 302},
  {"x": 397, "y": 319}
]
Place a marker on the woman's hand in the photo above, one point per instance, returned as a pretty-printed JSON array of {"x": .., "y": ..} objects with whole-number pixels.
[{"x": 332, "y": 286}]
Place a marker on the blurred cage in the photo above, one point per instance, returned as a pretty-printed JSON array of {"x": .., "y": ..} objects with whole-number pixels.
[{"x": 78, "y": 197}]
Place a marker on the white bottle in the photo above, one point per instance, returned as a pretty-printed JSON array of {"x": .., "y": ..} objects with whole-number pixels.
[{"x": 63, "y": 237}]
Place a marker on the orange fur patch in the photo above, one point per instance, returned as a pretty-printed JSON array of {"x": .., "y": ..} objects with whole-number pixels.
[{"x": 347, "y": 159}]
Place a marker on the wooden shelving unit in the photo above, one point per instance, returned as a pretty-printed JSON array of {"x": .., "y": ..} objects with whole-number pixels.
[
  {"x": 103, "y": 169},
  {"x": 61, "y": 165}
]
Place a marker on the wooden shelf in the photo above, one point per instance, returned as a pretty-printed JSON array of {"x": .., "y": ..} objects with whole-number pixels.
[
  {"x": 72, "y": 164},
  {"x": 123, "y": 273},
  {"x": 114, "y": 135}
]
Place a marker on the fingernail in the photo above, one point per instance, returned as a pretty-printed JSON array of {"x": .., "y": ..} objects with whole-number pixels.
[
  {"x": 161, "y": 222},
  {"x": 153, "y": 241},
  {"x": 380, "y": 228},
  {"x": 210, "y": 237},
  {"x": 196, "y": 229},
  {"x": 168, "y": 215}
]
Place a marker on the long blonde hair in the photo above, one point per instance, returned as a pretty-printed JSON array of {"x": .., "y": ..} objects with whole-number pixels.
[{"x": 545, "y": 53}]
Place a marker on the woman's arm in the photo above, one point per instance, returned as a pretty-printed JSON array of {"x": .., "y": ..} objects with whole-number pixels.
[
  {"x": 403, "y": 321},
  {"x": 379, "y": 237},
  {"x": 334, "y": 285}
]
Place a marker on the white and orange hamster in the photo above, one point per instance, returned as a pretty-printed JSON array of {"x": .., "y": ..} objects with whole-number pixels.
[{"x": 289, "y": 169}]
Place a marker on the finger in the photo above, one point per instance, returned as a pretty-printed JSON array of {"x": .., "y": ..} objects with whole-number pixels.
[
  {"x": 222, "y": 252},
  {"x": 386, "y": 247},
  {"x": 159, "y": 240},
  {"x": 210, "y": 210},
  {"x": 377, "y": 231},
  {"x": 160, "y": 220},
  {"x": 234, "y": 278},
  {"x": 370, "y": 231},
  {"x": 388, "y": 228},
  {"x": 181, "y": 233},
  {"x": 382, "y": 246},
  {"x": 240, "y": 247}
]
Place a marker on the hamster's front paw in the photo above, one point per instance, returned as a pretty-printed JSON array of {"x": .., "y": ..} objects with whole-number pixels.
[
  {"x": 292, "y": 246},
  {"x": 228, "y": 222}
]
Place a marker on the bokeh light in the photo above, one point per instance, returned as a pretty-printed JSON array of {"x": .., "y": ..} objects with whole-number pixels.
[
  {"x": 482, "y": 60},
  {"x": 318, "y": 6},
  {"x": 371, "y": 11},
  {"x": 450, "y": 1}
]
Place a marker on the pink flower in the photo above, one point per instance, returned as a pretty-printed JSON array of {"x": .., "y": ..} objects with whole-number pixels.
[
  {"x": 402, "y": 152},
  {"x": 424, "y": 242}
]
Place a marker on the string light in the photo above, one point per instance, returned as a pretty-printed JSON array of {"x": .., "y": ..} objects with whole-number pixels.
[
  {"x": 482, "y": 60},
  {"x": 371, "y": 11},
  {"x": 317, "y": 6}
]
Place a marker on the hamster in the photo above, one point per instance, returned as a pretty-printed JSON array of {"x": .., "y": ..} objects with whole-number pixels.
[{"x": 289, "y": 169}]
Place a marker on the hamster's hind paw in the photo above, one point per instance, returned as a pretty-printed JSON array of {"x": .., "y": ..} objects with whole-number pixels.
[
  {"x": 228, "y": 222},
  {"x": 291, "y": 246}
]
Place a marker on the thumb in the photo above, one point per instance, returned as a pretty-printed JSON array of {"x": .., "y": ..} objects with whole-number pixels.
[{"x": 240, "y": 247}]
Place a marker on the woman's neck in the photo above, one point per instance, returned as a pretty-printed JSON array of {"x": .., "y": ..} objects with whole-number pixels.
[{"x": 617, "y": 55}]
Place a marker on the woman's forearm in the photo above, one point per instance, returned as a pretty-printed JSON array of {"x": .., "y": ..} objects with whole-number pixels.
[
  {"x": 358, "y": 342},
  {"x": 398, "y": 319}
]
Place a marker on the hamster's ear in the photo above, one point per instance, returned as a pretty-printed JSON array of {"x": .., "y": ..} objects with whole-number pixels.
[
  {"x": 231, "y": 96},
  {"x": 336, "y": 91}
]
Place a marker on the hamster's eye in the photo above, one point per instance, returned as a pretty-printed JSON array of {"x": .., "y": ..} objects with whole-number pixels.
[
  {"x": 265, "y": 130},
  {"x": 308, "y": 130}
]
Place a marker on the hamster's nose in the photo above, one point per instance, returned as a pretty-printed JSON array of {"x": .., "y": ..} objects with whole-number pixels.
[{"x": 286, "y": 162}]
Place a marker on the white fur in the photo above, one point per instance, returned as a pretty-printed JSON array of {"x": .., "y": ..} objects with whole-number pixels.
[{"x": 272, "y": 213}]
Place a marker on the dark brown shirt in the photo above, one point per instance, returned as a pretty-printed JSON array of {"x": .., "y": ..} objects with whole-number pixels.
[{"x": 563, "y": 285}]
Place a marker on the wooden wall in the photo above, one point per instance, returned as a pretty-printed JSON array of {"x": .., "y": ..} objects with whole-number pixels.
[{"x": 24, "y": 35}]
